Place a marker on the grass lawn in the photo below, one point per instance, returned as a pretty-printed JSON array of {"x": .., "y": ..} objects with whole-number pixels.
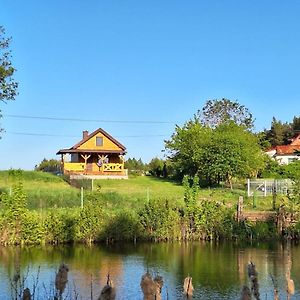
[
  {"x": 46, "y": 190},
  {"x": 142, "y": 187}
]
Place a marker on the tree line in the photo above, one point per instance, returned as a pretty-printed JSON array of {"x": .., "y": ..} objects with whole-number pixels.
[{"x": 217, "y": 144}]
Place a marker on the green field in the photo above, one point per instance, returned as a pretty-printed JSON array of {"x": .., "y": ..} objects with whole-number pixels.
[{"x": 45, "y": 190}]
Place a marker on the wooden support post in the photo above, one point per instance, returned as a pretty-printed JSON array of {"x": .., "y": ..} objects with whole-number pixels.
[{"x": 85, "y": 157}]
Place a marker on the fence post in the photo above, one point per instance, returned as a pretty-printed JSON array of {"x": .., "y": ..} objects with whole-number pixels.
[
  {"x": 81, "y": 197},
  {"x": 265, "y": 189},
  {"x": 248, "y": 185},
  {"x": 240, "y": 208},
  {"x": 254, "y": 200}
]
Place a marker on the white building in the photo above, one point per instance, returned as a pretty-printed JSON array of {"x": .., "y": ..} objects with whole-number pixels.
[{"x": 286, "y": 154}]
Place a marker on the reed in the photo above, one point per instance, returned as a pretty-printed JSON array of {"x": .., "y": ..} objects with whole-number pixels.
[
  {"x": 246, "y": 294},
  {"x": 26, "y": 294},
  {"x": 151, "y": 288},
  {"x": 188, "y": 288},
  {"x": 61, "y": 279},
  {"x": 109, "y": 291}
]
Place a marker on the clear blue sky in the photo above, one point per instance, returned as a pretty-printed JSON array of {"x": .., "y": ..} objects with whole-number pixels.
[{"x": 142, "y": 60}]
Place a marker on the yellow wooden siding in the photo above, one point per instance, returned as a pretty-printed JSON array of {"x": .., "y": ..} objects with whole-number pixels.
[
  {"x": 74, "y": 166},
  {"x": 107, "y": 144}
]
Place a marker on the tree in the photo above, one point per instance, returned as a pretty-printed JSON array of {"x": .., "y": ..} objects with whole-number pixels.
[
  {"x": 186, "y": 146},
  {"x": 50, "y": 166},
  {"x": 156, "y": 167},
  {"x": 232, "y": 152},
  {"x": 216, "y": 112},
  {"x": 296, "y": 124},
  {"x": 135, "y": 166},
  {"x": 280, "y": 133},
  {"x": 8, "y": 86},
  {"x": 215, "y": 154}
]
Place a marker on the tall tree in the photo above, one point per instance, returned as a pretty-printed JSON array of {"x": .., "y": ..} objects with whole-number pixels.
[
  {"x": 296, "y": 124},
  {"x": 215, "y": 154},
  {"x": 232, "y": 152},
  {"x": 216, "y": 112},
  {"x": 280, "y": 133},
  {"x": 186, "y": 146},
  {"x": 8, "y": 86}
]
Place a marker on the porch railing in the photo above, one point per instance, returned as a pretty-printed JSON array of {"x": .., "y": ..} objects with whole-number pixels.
[
  {"x": 74, "y": 166},
  {"x": 112, "y": 167}
]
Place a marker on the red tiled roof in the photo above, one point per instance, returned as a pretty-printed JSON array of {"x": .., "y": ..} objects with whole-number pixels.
[
  {"x": 286, "y": 149},
  {"x": 296, "y": 140}
]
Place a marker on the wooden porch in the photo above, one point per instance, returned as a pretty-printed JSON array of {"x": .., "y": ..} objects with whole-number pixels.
[{"x": 114, "y": 169}]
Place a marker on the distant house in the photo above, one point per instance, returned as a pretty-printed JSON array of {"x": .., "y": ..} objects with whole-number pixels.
[
  {"x": 97, "y": 155},
  {"x": 286, "y": 154}
]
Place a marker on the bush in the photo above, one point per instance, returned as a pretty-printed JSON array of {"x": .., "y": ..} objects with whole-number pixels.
[
  {"x": 90, "y": 222},
  {"x": 59, "y": 226},
  {"x": 160, "y": 220},
  {"x": 123, "y": 227}
]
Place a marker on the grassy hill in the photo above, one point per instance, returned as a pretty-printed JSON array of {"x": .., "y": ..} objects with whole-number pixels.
[{"x": 45, "y": 190}]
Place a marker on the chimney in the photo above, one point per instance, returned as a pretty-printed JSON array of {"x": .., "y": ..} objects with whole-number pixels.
[{"x": 85, "y": 133}]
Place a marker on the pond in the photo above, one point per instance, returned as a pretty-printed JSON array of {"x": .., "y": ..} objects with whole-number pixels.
[{"x": 219, "y": 270}]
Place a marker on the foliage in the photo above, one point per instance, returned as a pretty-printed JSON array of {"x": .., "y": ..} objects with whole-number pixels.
[
  {"x": 186, "y": 147},
  {"x": 18, "y": 225},
  {"x": 135, "y": 166},
  {"x": 216, "y": 112},
  {"x": 8, "y": 86},
  {"x": 292, "y": 171},
  {"x": 280, "y": 132},
  {"x": 204, "y": 218},
  {"x": 272, "y": 169},
  {"x": 232, "y": 152},
  {"x": 59, "y": 226},
  {"x": 124, "y": 226},
  {"x": 51, "y": 166},
  {"x": 156, "y": 167},
  {"x": 218, "y": 154},
  {"x": 160, "y": 220},
  {"x": 90, "y": 221}
]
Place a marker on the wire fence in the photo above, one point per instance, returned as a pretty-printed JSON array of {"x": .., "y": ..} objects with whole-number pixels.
[{"x": 268, "y": 187}]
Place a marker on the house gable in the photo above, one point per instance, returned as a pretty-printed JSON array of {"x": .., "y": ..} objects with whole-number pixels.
[
  {"x": 94, "y": 143},
  {"x": 99, "y": 140}
]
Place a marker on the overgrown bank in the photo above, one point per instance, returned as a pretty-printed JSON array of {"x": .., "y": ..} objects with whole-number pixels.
[{"x": 155, "y": 220}]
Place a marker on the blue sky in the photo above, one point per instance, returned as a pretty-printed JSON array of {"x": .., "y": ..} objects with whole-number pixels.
[{"x": 142, "y": 60}]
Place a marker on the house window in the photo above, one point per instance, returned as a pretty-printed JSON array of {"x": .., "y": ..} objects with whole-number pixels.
[{"x": 99, "y": 141}]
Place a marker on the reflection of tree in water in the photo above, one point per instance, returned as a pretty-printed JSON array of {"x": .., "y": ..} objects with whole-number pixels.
[
  {"x": 219, "y": 268},
  {"x": 211, "y": 265}
]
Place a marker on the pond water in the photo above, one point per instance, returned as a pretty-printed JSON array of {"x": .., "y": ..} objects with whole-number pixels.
[{"x": 219, "y": 271}]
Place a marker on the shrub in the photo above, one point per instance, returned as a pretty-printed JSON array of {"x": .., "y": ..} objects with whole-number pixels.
[
  {"x": 90, "y": 222},
  {"x": 160, "y": 220}
]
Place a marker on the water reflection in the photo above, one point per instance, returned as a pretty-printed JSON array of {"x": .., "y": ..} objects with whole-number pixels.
[{"x": 219, "y": 270}]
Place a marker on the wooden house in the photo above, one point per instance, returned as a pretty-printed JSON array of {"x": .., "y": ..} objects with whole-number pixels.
[{"x": 97, "y": 155}]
